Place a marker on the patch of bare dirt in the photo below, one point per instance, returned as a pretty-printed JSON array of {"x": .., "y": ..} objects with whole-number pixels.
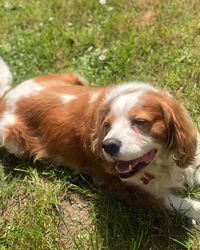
[
  {"x": 150, "y": 10},
  {"x": 148, "y": 17},
  {"x": 76, "y": 218}
]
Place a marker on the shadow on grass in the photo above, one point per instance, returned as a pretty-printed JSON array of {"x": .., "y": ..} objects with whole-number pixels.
[{"x": 115, "y": 224}]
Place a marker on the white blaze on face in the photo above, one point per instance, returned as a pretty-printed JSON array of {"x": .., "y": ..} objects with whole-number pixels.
[{"x": 128, "y": 88}]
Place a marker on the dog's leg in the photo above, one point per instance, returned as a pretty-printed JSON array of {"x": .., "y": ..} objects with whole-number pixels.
[
  {"x": 18, "y": 140},
  {"x": 188, "y": 207}
]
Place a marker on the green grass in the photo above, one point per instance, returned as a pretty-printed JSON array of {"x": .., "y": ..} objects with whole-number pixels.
[{"x": 43, "y": 207}]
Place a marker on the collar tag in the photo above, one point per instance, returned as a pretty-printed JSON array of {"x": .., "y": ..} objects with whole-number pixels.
[{"x": 147, "y": 178}]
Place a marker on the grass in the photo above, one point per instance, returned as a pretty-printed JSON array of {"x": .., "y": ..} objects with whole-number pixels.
[{"x": 43, "y": 207}]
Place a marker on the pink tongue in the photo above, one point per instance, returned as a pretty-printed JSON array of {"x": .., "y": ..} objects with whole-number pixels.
[
  {"x": 148, "y": 157},
  {"x": 123, "y": 166}
]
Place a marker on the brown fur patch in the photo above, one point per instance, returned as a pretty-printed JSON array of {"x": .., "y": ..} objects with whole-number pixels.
[{"x": 2, "y": 106}]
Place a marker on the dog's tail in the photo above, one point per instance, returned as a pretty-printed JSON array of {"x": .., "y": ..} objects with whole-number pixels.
[{"x": 5, "y": 77}]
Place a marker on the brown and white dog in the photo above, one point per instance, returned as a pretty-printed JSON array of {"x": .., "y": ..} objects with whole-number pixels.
[{"x": 130, "y": 133}]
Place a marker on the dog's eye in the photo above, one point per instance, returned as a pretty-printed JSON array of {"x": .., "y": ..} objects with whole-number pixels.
[
  {"x": 107, "y": 125},
  {"x": 138, "y": 122}
]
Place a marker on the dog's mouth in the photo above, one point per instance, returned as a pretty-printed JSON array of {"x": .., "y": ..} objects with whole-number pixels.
[{"x": 126, "y": 169}]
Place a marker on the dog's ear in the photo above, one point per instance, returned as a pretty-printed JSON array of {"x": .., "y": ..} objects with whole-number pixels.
[
  {"x": 97, "y": 134},
  {"x": 181, "y": 133}
]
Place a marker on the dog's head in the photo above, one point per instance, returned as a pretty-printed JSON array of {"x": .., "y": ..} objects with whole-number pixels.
[{"x": 136, "y": 122}]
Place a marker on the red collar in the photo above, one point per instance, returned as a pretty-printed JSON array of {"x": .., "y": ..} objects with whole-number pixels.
[{"x": 147, "y": 178}]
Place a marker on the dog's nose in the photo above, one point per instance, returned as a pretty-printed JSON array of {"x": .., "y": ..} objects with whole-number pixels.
[{"x": 111, "y": 146}]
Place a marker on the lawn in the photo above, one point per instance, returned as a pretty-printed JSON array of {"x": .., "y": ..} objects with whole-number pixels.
[{"x": 156, "y": 41}]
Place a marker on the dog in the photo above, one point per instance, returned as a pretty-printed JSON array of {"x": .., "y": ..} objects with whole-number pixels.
[{"x": 130, "y": 134}]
